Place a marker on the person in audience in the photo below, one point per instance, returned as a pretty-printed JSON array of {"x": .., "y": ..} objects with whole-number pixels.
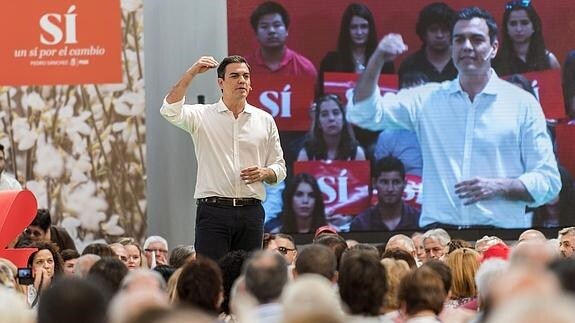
[
  {"x": 399, "y": 254},
  {"x": 485, "y": 242},
  {"x": 311, "y": 298},
  {"x": 494, "y": 176},
  {"x": 84, "y": 263},
  {"x": 391, "y": 213},
  {"x": 421, "y": 293},
  {"x": 134, "y": 253},
  {"x": 46, "y": 264},
  {"x": 433, "y": 59},
  {"x": 165, "y": 270},
  {"x": 564, "y": 270},
  {"x": 73, "y": 300},
  {"x": 200, "y": 286},
  {"x": 363, "y": 248},
  {"x": 139, "y": 305},
  {"x": 304, "y": 209},
  {"x": 455, "y": 244},
  {"x": 14, "y": 309},
  {"x": 99, "y": 249},
  {"x": 265, "y": 275},
  {"x": 486, "y": 274},
  {"x": 7, "y": 182},
  {"x": 417, "y": 238},
  {"x": 555, "y": 308},
  {"x": 69, "y": 257},
  {"x": 356, "y": 42},
  {"x": 285, "y": 245},
  {"x": 231, "y": 266},
  {"x": 567, "y": 242},
  {"x": 316, "y": 259},
  {"x": 463, "y": 263},
  {"x": 435, "y": 242},
  {"x": 181, "y": 255},
  {"x": 108, "y": 272},
  {"x": 143, "y": 279},
  {"x": 531, "y": 235},
  {"x": 522, "y": 47},
  {"x": 334, "y": 242},
  {"x": 395, "y": 270},
  {"x": 331, "y": 136},
  {"x": 362, "y": 284},
  {"x": 270, "y": 22},
  {"x": 156, "y": 251},
  {"x": 120, "y": 252},
  {"x": 41, "y": 229}
]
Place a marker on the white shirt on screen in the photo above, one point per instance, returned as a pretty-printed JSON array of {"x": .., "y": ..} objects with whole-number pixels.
[{"x": 501, "y": 134}]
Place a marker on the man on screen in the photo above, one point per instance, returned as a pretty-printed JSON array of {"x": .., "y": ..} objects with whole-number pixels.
[
  {"x": 485, "y": 147},
  {"x": 270, "y": 22},
  {"x": 391, "y": 212}
]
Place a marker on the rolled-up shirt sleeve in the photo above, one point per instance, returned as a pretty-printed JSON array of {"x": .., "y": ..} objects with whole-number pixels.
[
  {"x": 541, "y": 178},
  {"x": 275, "y": 160},
  {"x": 179, "y": 114}
]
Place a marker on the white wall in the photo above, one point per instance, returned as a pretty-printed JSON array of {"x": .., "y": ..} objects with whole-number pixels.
[{"x": 176, "y": 34}]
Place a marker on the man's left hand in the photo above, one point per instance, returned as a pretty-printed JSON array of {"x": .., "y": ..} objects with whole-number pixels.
[
  {"x": 254, "y": 174},
  {"x": 478, "y": 189}
]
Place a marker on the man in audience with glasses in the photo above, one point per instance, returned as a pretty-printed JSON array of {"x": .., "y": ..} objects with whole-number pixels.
[
  {"x": 156, "y": 251},
  {"x": 41, "y": 229},
  {"x": 284, "y": 244}
]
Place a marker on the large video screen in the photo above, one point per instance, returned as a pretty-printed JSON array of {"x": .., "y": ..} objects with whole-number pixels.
[{"x": 305, "y": 64}]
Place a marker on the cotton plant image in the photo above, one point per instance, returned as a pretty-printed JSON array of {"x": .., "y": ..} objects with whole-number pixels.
[{"x": 81, "y": 148}]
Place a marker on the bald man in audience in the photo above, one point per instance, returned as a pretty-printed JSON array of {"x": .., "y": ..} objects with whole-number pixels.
[{"x": 531, "y": 235}]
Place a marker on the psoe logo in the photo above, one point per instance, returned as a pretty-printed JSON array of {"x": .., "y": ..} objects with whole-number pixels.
[{"x": 57, "y": 27}]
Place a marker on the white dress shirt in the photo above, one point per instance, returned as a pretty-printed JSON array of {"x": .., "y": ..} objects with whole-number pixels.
[
  {"x": 501, "y": 134},
  {"x": 9, "y": 183},
  {"x": 225, "y": 145}
]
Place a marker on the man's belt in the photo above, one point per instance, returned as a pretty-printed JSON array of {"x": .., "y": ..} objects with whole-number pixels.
[{"x": 229, "y": 201}]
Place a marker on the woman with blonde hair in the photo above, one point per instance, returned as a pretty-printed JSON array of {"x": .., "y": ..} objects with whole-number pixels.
[
  {"x": 395, "y": 269},
  {"x": 463, "y": 263}
]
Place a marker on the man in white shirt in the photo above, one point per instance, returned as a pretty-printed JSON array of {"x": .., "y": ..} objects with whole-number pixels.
[
  {"x": 485, "y": 148},
  {"x": 237, "y": 148},
  {"x": 7, "y": 182}
]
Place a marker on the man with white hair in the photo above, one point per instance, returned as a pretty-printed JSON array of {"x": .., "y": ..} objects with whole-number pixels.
[
  {"x": 435, "y": 242},
  {"x": 401, "y": 242},
  {"x": 156, "y": 251},
  {"x": 567, "y": 241}
]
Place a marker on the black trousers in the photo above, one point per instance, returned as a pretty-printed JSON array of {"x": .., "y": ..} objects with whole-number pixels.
[{"x": 221, "y": 229}]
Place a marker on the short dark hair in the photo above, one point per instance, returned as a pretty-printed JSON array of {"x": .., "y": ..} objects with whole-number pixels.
[
  {"x": 437, "y": 13},
  {"x": 231, "y": 265},
  {"x": 362, "y": 283},
  {"x": 69, "y": 254},
  {"x": 335, "y": 242},
  {"x": 443, "y": 270},
  {"x": 388, "y": 164},
  {"x": 72, "y": 300},
  {"x": 422, "y": 289},
  {"x": 476, "y": 12},
  {"x": 99, "y": 249},
  {"x": 42, "y": 219},
  {"x": 316, "y": 259},
  {"x": 399, "y": 254},
  {"x": 267, "y": 8},
  {"x": 266, "y": 280},
  {"x": 230, "y": 60},
  {"x": 200, "y": 285},
  {"x": 108, "y": 272}
]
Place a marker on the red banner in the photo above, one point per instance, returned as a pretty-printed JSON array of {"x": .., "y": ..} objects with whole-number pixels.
[
  {"x": 60, "y": 42},
  {"x": 17, "y": 211},
  {"x": 547, "y": 87},
  {"x": 288, "y": 100},
  {"x": 345, "y": 184},
  {"x": 341, "y": 83}
]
